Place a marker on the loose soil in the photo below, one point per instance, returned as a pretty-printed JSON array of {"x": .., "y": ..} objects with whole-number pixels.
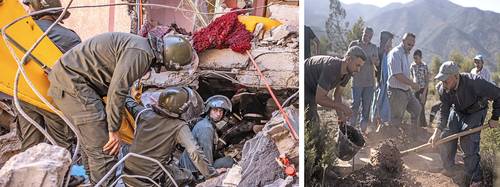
[{"x": 379, "y": 162}]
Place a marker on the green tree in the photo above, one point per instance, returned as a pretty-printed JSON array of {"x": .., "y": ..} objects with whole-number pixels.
[
  {"x": 324, "y": 44},
  {"x": 357, "y": 30},
  {"x": 435, "y": 64},
  {"x": 336, "y": 28},
  {"x": 466, "y": 63},
  {"x": 497, "y": 62}
]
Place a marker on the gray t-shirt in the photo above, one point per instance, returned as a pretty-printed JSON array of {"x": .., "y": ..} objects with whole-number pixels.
[
  {"x": 366, "y": 76},
  {"x": 323, "y": 71}
]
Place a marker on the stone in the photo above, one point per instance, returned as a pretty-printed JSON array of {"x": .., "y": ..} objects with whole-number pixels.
[
  {"x": 222, "y": 59},
  {"x": 10, "y": 145},
  {"x": 286, "y": 14},
  {"x": 258, "y": 164},
  {"x": 287, "y": 182},
  {"x": 277, "y": 130},
  {"x": 41, "y": 165}
]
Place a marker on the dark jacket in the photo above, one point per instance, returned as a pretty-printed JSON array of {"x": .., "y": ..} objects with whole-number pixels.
[{"x": 471, "y": 96}]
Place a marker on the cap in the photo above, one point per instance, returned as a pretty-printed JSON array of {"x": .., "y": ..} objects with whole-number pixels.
[
  {"x": 447, "y": 68},
  {"x": 356, "y": 51},
  {"x": 478, "y": 57}
]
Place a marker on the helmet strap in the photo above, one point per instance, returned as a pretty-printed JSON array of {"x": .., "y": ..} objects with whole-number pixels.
[
  {"x": 156, "y": 44},
  {"x": 157, "y": 109}
]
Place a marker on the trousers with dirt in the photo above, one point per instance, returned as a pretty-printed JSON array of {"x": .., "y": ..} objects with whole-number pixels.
[
  {"x": 458, "y": 122},
  {"x": 401, "y": 101},
  {"x": 86, "y": 111},
  {"x": 53, "y": 124}
]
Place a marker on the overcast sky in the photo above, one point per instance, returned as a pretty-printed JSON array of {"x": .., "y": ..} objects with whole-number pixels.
[{"x": 493, "y": 5}]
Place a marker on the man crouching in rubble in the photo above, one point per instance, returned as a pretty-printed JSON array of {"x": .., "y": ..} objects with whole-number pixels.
[
  {"x": 159, "y": 129},
  {"x": 107, "y": 65},
  {"x": 464, "y": 99},
  {"x": 322, "y": 74},
  {"x": 205, "y": 133}
]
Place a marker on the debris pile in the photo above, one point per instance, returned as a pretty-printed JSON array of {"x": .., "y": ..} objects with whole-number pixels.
[
  {"x": 40, "y": 165},
  {"x": 10, "y": 144},
  {"x": 259, "y": 166}
]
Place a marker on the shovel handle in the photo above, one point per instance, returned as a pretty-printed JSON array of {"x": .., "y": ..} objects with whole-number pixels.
[{"x": 444, "y": 140}]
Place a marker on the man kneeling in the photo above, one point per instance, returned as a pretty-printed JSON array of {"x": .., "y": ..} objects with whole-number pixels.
[{"x": 159, "y": 129}]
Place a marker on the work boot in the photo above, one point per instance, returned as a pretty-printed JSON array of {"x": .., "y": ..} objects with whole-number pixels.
[
  {"x": 452, "y": 171},
  {"x": 74, "y": 181}
]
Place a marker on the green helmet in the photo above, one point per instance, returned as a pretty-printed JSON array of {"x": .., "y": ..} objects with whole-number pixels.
[
  {"x": 174, "y": 100},
  {"x": 37, "y": 5},
  {"x": 180, "y": 102},
  {"x": 177, "y": 51}
]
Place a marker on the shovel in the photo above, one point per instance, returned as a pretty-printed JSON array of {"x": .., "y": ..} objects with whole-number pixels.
[{"x": 444, "y": 140}]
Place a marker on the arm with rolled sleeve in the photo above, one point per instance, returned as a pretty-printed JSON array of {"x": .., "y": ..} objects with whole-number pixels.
[{"x": 132, "y": 64}]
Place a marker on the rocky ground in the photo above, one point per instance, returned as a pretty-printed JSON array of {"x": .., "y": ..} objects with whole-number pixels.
[{"x": 379, "y": 163}]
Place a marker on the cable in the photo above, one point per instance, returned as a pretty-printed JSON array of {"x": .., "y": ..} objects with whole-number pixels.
[
  {"x": 30, "y": 84},
  {"x": 282, "y": 111},
  {"x": 138, "y": 156},
  {"x": 135, "y": 176}
]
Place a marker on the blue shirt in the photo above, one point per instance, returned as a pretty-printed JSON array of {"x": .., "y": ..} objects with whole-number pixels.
[{"x": 398, "y": 63}]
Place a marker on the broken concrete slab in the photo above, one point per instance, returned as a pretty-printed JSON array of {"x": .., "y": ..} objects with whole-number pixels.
[
  {"x": 278, "y": 80},
  {"x": 222, "y": 59},
  {"x": 278, "y": 59},
  {"x": 259, "y": 166},
  {"x": 171, "y": 78},
  {"x": 287, "y": 182},
  {"x": 286, "y": 14},
  {"x": 277, "y": 130},
  {"x": 233, "y": 176},
  {"x": 10, "y": 145},
  {"x": 216, "y": 181},
  {"x": 41, "y": 165}
]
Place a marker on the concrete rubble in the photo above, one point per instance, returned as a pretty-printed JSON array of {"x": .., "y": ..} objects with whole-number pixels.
[
  {"x": 41, "y": 165},
  {"x": 276, "y": 52},
  {"x": 258, "y": 164},
  {"x": 10, "y": 145},
  {"x": 287, "y": 182}
]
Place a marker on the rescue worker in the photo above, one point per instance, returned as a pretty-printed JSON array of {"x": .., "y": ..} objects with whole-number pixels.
[
  {"x": 464, "y": 99},
  {"x": 205, "y": 133},
  {"x": 65, "y": 39},
  {"x": 159, "y": 129},
  {"x": 107, "y": 65}
]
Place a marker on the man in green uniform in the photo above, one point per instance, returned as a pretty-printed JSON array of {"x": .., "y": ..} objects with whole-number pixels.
[
  {"x": 107, "y": 65},
  {"x": 159, "y": 129}
]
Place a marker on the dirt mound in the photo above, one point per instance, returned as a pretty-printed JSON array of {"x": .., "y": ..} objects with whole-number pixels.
[
  {"x": 387, "y": 159},
  {"x": 385, "y": 169}
]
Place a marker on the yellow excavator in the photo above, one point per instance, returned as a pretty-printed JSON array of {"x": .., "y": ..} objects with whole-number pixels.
[{"x": 23, "y": 34}]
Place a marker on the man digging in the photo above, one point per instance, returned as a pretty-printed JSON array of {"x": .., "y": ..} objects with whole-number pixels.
[{"x": 464, "y": 99}]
